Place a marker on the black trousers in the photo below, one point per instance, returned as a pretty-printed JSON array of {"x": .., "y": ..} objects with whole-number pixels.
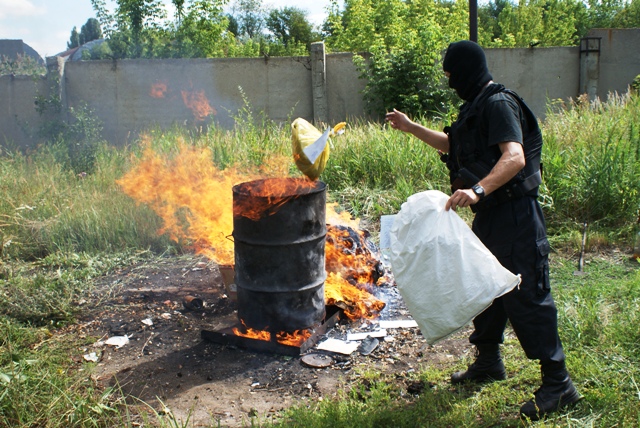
[{"x": 515, "y": 232}]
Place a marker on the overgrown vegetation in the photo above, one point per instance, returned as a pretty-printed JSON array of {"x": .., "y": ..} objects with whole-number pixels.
[
  {"x": 403, "y": 39},
  {"x": 23, "y": 65},
  {"x": 598, "y": 319},
  {"x": 59, "y": 231}
]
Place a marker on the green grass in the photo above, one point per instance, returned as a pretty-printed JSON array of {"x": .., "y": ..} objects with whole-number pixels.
[
  {"x": 599, "y": 317},
  {"x": 61, "y": 230}
]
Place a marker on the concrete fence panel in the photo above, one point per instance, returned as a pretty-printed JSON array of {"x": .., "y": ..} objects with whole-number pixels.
[
  {"x": 537, "y": 74},
  {"x": 132, "y": 95},
  {"x": 619, "y": 59},
  {"x": 129, "y": 96},
  {"x": 19, "y": 120}
]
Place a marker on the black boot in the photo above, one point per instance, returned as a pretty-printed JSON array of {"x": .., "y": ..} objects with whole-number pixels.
[
  {"x": 488, "y": 366},
  {"x": 557, "y": 391}
]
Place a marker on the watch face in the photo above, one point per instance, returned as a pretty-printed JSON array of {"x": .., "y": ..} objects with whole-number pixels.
[{"x": 478, "y": 190}]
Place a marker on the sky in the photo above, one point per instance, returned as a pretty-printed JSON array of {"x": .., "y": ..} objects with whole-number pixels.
[{"x": 46, "y": 25}]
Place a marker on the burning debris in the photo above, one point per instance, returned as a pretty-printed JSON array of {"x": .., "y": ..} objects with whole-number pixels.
[{"x": 289, "y": 264}]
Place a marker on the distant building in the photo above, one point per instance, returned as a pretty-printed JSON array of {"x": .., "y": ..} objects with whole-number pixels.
[{"x": 14, "y": 48}]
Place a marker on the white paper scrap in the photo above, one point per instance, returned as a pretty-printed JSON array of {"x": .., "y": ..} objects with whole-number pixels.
[
  {"x": 362, "y": 336},
  {"x": 313, "y": 150},
  {"x": 117, "y": 341},
  {"x": 339, "y": 346},
  {"x": 398, "y": 324},
  {"x": 93, "y": 357}
]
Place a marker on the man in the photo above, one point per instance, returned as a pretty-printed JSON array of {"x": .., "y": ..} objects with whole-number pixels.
[{"x": 493, "y": 154}]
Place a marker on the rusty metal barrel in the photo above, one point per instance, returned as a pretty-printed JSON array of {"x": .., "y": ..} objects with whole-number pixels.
[{"x": 279, "y": 231}]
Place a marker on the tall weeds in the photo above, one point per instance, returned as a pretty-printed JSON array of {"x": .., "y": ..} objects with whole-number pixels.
[
  {"x": 592, "y": 163},
  {"x": 591, "y": 174},
  {"x": 60, "y": 229}
]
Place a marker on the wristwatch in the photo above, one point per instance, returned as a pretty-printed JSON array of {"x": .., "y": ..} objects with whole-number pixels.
[{"x": 478, "y": 190}]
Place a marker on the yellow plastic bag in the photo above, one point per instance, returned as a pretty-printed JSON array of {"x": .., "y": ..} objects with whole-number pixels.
[{"x": 303, "y": 134}]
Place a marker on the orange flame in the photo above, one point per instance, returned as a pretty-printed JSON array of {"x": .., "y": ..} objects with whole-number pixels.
[
  {"x": 195, "y": 201},
  {"x": 193, "y": 198},
  {"x": 342, "y": 217},
  {"x": 296, "y": 338},
  {"x": 267, "y": 196},
  {"x": 158, "y": 90},
  {"x": 198, "y": 103},
  {"x": 355, "y": 303},
  {"x": 251, "y": 333},
  {"x": 347, "y": 255}
]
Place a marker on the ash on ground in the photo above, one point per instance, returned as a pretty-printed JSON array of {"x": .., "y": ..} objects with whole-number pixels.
[{"x": 165, "y": 366}]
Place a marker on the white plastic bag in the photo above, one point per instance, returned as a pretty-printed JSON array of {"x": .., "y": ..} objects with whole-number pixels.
[{"x": 445, "y": 275}]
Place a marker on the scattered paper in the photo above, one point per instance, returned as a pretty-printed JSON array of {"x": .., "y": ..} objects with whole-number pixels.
[
  {"x": 398, "y": 324},
  {"x": 362, "y": 336},
  {"x": 117, "y": 341},
  {"x": 93, "y": 357},
  {"x": 339, "y": 346},
  {"x": 147, "y": 321}
]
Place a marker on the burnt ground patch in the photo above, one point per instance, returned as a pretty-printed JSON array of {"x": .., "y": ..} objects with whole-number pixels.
[{"x": 167, "y": 366}]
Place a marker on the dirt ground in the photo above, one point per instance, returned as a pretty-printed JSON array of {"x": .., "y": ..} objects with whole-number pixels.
[{"x": 167, "y": 365}]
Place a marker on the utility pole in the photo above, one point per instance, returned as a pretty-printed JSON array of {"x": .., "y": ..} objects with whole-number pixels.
[{"x": 473, "y": 20}]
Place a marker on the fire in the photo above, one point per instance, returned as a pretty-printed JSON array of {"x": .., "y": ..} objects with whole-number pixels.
[
  {"x": 296, "y": 338},
  {"x": 193, "y": 198},
  {"x": 349, "y": 253},
  {"x": 198, "y": 103},
  {"x": 269, "y": 195},
  {"x": 195, "y": 201},
  {"x": 251, "y": 333},
  {"x": 343, "y": 218},
  {"x": 355, "y": 302}
]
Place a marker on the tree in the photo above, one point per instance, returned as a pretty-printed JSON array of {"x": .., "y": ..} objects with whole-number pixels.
[
  {"x": 74, "y": 40},
  {"x": 488, "y": 18},
  {"x": 179, "y": 5},
  {"x": 133, "y": 28},
  {"x": 90, "y": 31},
  {"x": 233, "y": 27},
  {"x": 603, "y": 12},
  {"x": 290, "y": 26},
  {"x": 405, "y": 41},
  {"x": 532, "y": 23},
  {"x": 629, "y": 16},
  {"x": 250, "y": 16},
  {"x": 203, "y": 31}
]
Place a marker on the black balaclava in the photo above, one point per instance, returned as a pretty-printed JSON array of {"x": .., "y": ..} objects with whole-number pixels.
[{"x": 467, "y": 64}]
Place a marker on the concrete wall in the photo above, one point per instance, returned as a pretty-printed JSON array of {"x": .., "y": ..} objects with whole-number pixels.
[
  {"x": 538, "y": 74},
  {"x": 619, "y": 59},
  {"x": 19, "y": 121},
  {"x": 129, "y": 96},
  {"x": 344, "y": 89}
]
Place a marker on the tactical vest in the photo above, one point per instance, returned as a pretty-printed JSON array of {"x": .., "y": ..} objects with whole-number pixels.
[{"x": 469, "y": 160}]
